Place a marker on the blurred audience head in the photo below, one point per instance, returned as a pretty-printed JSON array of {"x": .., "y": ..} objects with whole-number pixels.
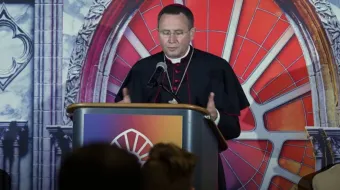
[
  {"x": 168, "y": 168},
  {"x": 5, "y": 180},
  {"x": 100, "y": 166}
]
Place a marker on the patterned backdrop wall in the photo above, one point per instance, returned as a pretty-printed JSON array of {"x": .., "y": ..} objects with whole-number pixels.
[{"x": 284, "y": 52}]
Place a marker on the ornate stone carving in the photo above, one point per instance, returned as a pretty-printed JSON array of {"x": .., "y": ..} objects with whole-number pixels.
[
  {"x": 326, "y": 143},
  {"x": 79, "y": 52},
  {"x": 316, "y": 139},
  {"x": 333, "y": 137},
  {"x": 61, "y": 143},
  {"x": 14, "y": 131},
  {"x": 331, "y": 25},
  {"x": 13, "y": 144},
  {"x": 18, "y": 64},
  {"x": 61, "y": 136}
]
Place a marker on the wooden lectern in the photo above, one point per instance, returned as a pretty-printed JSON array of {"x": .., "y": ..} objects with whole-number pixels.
[{"x": 137, "y": 127}]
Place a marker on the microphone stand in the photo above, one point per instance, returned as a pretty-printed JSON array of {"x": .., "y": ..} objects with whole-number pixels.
[
  {"x": 158, "y": 82},
  {"x": 172, "y": 94}
]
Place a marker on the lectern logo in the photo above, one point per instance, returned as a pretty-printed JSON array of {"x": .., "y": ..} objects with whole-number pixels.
[{"x": 135, "y": 142}]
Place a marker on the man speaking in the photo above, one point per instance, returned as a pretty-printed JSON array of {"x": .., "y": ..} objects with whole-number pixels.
[{"x": 184, "y": 74}]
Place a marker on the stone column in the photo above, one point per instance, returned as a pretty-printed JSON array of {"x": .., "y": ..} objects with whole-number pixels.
[
  {"x": 12, "y": 135},
  {"x": 323, "y": 154},
  {"x": 15, "y": 166},
  {"x": 47, "y": 90},
  {"x": 333, "y": 138},
  {"x": 61, "y": 143}
]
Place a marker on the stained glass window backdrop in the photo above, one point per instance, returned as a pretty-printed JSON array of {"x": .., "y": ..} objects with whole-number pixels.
[{"x": 258, "y": 41}]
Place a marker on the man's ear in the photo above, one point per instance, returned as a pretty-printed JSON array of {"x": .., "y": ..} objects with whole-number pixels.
[{"x": 192, "y": 33}]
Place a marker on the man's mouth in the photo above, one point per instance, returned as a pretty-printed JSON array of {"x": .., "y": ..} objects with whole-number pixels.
[{"x": 172, "y": 48}]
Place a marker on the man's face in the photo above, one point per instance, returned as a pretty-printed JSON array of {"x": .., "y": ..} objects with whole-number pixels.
[{"x": 174, "y": 34}]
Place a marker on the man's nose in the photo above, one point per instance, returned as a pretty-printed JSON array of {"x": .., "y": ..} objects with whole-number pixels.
[{"x": 172, "y": 38}]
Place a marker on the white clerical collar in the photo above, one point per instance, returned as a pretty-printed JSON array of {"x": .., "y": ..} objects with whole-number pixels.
[{"x": 178, "y": 60}]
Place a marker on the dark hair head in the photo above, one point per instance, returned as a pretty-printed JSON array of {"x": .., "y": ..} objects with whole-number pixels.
[
  {"x": 5, "y": 180},
  {"x": 176, "y": 9},
  {"x": 100, "y": 166},
  {"x": 168, "y": 168}
]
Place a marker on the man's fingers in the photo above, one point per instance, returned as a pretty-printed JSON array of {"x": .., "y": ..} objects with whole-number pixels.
[
  {"x": 126, "y": 96},
  {"x": 211, "y": 96},
  {"x": 211, "y": 102},
  {"x": 211, "y": 106},
  {"x": 125, "y": 92}
]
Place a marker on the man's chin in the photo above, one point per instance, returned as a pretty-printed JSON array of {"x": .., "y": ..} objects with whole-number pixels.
[{"x": 172, "y": 55}]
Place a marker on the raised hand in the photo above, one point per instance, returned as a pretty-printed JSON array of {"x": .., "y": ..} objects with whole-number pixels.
[{"x": 126, "y": 96}]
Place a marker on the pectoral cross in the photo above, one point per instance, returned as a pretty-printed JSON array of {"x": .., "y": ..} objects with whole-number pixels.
[{"x": 173, "y": 101}]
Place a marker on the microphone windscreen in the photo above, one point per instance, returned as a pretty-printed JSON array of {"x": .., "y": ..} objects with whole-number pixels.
[{"x": 162, "y": 64}]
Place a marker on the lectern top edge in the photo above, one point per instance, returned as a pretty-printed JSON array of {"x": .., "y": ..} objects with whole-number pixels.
[
  {"x": 71, "y": 108},
  {"x": 221, "y": 141}
]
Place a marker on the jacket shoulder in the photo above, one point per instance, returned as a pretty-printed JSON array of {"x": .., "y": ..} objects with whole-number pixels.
[{"x": 213, "y": 60}]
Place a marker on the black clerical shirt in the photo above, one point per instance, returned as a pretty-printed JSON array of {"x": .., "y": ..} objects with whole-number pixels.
[{"x": 205, "y": 73}]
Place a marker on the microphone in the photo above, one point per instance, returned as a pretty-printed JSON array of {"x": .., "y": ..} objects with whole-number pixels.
[{"x": 155, "y": 77}]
